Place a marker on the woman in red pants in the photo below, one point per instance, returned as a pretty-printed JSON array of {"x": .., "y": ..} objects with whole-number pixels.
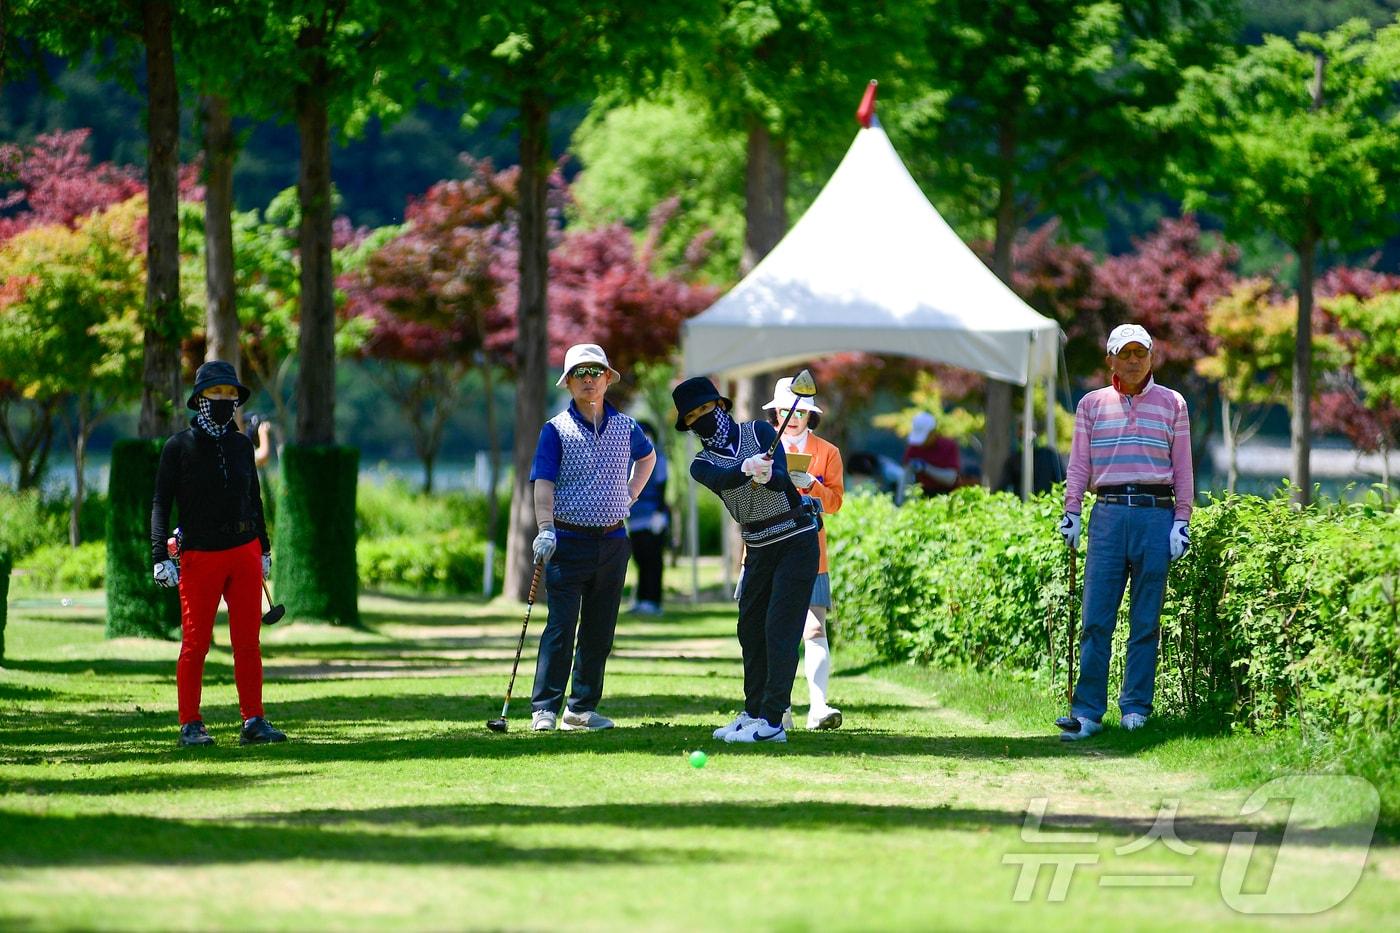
[{"x": 207, "y": 471}]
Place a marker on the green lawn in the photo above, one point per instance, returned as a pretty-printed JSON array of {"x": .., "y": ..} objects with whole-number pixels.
[{"x": 393, "y": 806}]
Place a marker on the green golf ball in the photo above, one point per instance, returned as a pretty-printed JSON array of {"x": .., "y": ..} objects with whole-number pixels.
[{"x": 698, "y": 759}]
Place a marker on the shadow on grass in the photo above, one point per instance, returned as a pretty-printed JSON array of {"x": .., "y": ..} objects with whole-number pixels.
[
  {"x": 149, "y": 782},
  {"x": 111, "y": 839}
]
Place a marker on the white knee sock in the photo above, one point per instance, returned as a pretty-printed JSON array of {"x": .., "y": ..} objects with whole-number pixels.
[{"x": 817, "y": 664}]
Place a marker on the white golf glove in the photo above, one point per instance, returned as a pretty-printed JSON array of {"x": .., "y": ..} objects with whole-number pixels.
[
  {"x": 267, "y": 566},
  {"x": 759, "y": 467},
  {"x": 1179, "y": 539},
  {"x": 801, "y": 479},
  {"x": 167, "y": 573},
  {"x": 545, "y": 543},
  {"x": 1069, "y": 529}
]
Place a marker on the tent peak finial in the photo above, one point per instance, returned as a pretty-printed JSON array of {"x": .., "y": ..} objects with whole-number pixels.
[{"x": 866, "y": 111}]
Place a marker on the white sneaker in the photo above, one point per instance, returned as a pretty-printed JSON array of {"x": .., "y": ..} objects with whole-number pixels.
[
  {"x": 590, "y": 721},
  {"x": 787, "y": 718},
  {"x": 542, "y": 721},
  {"x": 1087, "y": 727},
  {"x": 1134, "y": 721},
  {"x": 757, "y": 730},
  {"x": 740, "y": 721},
  {"x": 828, "y": 718}
]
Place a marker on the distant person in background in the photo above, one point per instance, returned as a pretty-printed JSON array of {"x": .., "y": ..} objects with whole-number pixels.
[
  {"x": 1047, "y": 468},
  {"x": 935, "y": 461},
  {"x": 258, "y": 427},
  {"x": 647, "y": 526}
]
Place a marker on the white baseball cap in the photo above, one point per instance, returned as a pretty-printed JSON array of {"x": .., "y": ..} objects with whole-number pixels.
[
  {"x": 1124, "y": 334},
  {"x": 924, "y": 423},
  {"x": 585, "y": 353},
  {"x": 784, "y": 399}
]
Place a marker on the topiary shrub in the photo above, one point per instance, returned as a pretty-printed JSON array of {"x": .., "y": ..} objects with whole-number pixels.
[
  {"x": 314, "y": 570},
  {"x": 135, "y": 605},
  {"x": 439, "y": 562}
]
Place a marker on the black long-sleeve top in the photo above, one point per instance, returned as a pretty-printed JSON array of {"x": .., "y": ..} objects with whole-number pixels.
[{"x": 216, "y": 512}]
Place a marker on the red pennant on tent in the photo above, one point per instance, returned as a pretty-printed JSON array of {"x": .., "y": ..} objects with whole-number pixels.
[{"x": 866, "y": 111}]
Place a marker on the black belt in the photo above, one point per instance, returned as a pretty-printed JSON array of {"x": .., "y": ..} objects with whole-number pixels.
[
  {"x": 1140, "y": 500},
  {"x": 237, "y": 528},
  {"x": 592, "y": 531},
  {"x": 1137, "y": 489},
  {"x": 788, "y": 516}
]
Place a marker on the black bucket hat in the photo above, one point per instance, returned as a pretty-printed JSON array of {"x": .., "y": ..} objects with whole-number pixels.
[
  {"x": 216, "y": 373},
  {"x": 693, "y": 393}
]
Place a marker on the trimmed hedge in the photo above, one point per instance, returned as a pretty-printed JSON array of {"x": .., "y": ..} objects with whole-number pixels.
[
  {"x": 135, "y": 605},
  {"x": 446, "y": 562},
  {"x": 1273, "y": 615},
  {"x": 60, "y": 567},
  {"x": 4, "y": 597},
  {"x": 314, "y": 570}
]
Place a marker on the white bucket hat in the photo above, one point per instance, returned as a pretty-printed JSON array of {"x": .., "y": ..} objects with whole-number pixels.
[
  {"x": 784, "y": 399},
  {"x": 922, "y": 427},
  {"x": 585, "y": 353},
  {"x": 1124, "y": 334}
]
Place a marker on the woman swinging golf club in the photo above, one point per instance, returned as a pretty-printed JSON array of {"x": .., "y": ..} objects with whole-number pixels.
[
  {"x": 207, "y": 472},
  {"x": 746, "y": 467},
  {"x": 823, "y": 481}
]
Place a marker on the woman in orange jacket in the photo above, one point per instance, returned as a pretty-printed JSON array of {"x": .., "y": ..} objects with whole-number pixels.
[{"x": 822, "y": 480}]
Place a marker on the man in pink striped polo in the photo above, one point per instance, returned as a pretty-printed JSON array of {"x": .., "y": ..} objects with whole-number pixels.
[{"x": 1132, "y": 447}]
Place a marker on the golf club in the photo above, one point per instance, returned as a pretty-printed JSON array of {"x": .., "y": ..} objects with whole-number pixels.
[
  {"x": 274, "y": 613},
  {"x": 1069, "y": 723},
  {"x": 500, "y": 724},
  {"x": 803, "y": 386}
]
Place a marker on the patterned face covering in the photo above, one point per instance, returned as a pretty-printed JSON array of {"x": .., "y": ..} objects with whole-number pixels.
[
  {"x": 713, "y": 429},
  {"x": 215, "y": 415}
]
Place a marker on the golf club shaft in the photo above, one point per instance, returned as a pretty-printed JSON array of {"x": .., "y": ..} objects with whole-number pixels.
[
  {"x": 520, "y": 645},
  {"x": 267, "y": 594},
  {"x": 783, "y": 427},
  {"x": 1069, "y": 644}
]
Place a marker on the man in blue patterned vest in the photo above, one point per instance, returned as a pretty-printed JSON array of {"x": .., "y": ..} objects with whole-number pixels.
[
  {"x": 590, "y": 465},
  {"x": 779, "y": 527}
]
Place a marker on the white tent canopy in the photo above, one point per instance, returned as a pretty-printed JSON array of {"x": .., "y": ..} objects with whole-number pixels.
[{"x": 872, "y": 266}]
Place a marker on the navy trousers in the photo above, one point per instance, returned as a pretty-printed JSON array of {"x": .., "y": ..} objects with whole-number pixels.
[{"x": 584, "y": 582}]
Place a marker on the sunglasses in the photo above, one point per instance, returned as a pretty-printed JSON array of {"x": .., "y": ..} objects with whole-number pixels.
[
  {"x": 799, "y": 413},
  {"x": 588, "y": 372},
  {"x": 1132, "y": 353}
]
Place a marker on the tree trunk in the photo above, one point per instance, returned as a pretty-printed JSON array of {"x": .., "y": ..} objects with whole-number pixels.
[
  {"x": 29, "y": 445},
  {"x": 160, "y": 384},
  {"x": 220, "y": 150},
  {"x": 493, "y": 439},
  {"x": 80, "y": 439},
  {"x": 1227, "y": 425},
  {"x": 996, "y": 440},
  {"x": 531, "y": 337},
  {"x": 1301, "y": 422},
  {"x": 315, "y": 392},
  {"x": 765, "y": 195}
]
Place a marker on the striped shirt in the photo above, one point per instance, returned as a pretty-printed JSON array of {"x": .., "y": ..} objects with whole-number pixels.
[{"x": 1121, "y": 438}]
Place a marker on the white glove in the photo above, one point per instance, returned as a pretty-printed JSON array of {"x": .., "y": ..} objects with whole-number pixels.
[
  {"x": 801, "y": 479},
  {"x": 267, "y": 566},
  {"x": 1069, "y": 529},
  {"x": 657, "y": 523},
  {"x": 1179, "y": 539},
  {"x": 759, "y": 467},
  {"x": 545, "y": 543},
  {"x": 167, "y": 573}
]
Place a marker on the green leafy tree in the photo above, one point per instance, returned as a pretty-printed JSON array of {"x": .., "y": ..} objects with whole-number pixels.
[
  {"x": 70, "y": 324},
  {"x": 1035, "y": 109},
  {"x": 533, "y": 57},
  {"x": 1372, "y": 349},
  {"x": 1300, "y": 141}
]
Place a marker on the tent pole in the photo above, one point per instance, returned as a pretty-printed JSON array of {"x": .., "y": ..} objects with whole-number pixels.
[
  {"x": 1028, "y": 422},
  {"x": 1050, "y": 404}
]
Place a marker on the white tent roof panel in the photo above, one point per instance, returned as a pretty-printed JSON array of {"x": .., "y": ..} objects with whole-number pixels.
[{"x": 873, "y": 267}]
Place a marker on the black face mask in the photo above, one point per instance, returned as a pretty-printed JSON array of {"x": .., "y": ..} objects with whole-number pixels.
[
  {"x": 707, "y": 424},
  {"x": 221, "y": 410}
]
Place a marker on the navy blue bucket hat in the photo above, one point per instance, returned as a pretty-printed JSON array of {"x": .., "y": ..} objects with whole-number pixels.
[
  {"x": 693, "y": 393},
  {"x": 216, "y": 373}
]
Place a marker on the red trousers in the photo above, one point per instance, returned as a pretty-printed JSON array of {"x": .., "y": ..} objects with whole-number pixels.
[{"x": 235, "y": 575}]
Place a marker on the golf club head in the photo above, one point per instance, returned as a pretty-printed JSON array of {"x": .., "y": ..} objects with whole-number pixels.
[
  {"x": 274, "y": 615},
  {"x": 497, "y": 725},
  {"x": 804, "y": 385}
]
